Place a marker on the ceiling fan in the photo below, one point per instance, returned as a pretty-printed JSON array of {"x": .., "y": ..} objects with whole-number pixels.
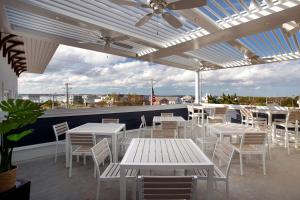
[
  {"x": 104, "y": 37},
  {"x": 160, "y": 7}
]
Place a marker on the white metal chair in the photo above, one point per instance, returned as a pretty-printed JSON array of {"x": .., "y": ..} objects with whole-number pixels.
[
  {"x": 169, "y": 129},
  {"x": 80, "y": 145},
  {"x": 252, "y": 143},
  {"x": 219, "y": 115},
  {"x": 192, "y": 115},
  {"x": 59, "y": 130},
  {"x": 144, "y": 128},
  {"x": 249, "y": 118},
  {"x": 100, "y": 153},
  {"x": 203, "y": 137},
  {"x": 165, "y": 114},
  {"x": 221, "y": 158},
  {"x": 167, "y": 187},
  {"x": 110, "y": 120},
  {"x": 291, "y": 126}
]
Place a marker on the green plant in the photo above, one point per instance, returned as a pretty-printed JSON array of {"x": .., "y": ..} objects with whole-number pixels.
[{"x": 18, "y": 114}]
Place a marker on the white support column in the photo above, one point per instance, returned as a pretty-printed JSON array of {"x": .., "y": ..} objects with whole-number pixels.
[{"x": 197, "y": 81}]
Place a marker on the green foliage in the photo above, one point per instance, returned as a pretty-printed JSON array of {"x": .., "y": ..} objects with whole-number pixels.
[{"x": 19, "y": 113}]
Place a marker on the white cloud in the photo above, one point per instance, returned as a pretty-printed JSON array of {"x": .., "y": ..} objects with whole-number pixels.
[{"x": 94, "y": 72}]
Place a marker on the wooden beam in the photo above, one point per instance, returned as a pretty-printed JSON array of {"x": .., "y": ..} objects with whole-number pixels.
[
  {"x": 10, "y": 47},
  {"x": 5, "y": 39},
  {"x": 249, "y": 28}
]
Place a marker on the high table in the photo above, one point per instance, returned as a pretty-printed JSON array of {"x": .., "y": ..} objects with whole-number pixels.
[
  {"x": 230, "y": 129},
  {"x": 178, "y": 119},
  {"x": 99, "y": 129},
  {"x": 164, "y": 154}
]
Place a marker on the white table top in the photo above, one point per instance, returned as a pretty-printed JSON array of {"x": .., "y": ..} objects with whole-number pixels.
[
  {"x": 155, "y": 153},
  {"x": 98, "y": 128},
  {"x": 168, "y": 119},
  {"x": 231, "y": 128}
]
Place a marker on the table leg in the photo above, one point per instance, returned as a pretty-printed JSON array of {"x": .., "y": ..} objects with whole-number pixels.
[
  {"x": 122, "y": 183},
  {"x": 114, "y": 147},
  {"x": 202, "y": 116},
  {"x": 210, "y": 183},
  {"x": 184, "y": 131},
  {"x": 67, "y": 151}
]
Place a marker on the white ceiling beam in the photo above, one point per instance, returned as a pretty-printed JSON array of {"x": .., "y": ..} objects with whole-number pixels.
[
  {"x": 21, "y": 5},
  {"x": 206, "y": 23},
  {"x": 249, "y": 28},
  {"x": 93, "y": 47}
]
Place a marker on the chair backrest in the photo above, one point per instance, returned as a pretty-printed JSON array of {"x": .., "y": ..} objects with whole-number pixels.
[
  {"x": 160, "y": 133},
  {"x": 220, "y": 110},
  {"x": 100, "y": 153},
  {"x": 60, "y": 129},
  {"x": 246, "y": 113},
  {"x": 110, "y": 120},
  {"x": 167, "y": 114},
  {"x": 82, "y": 139},
  {"x": 293, "y": 116},
  {"x": 169, "y": 125},
  {"x": 143, "y": 123},
  {"x": 254, "y": 138},
  {"x": 167, "y": 187},
  {"x": 222, "y": 156},
  {"x": 190, "y": 109}
]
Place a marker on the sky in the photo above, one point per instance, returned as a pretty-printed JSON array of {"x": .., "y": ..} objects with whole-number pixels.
[{"x": 91, "y": 72}]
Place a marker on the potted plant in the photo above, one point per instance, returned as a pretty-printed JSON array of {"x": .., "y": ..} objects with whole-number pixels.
[{"x": 18, "y": 114}]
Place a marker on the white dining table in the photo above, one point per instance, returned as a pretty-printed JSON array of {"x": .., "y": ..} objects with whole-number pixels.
[
  {"x": 230, "y": 129},
  {"x": 178, "y": 119},
  {"x": 164, "y": 154},
  {"x": 99, "y": 129}
]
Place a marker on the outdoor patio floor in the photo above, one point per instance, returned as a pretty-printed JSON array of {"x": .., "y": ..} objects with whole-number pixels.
[{"x": 50, "y": 180}]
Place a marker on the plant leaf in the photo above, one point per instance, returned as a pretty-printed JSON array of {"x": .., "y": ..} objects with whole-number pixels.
[{"x": 18, "y": 136}]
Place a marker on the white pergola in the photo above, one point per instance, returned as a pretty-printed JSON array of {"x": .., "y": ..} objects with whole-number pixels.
[{"x": 222, "y": 34}]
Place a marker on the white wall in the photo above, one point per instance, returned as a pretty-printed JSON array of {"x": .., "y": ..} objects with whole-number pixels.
[{"x": 8, "y": 79}]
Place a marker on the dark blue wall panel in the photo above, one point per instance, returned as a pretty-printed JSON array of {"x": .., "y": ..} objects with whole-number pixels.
[{"x": 43, "y": 131}]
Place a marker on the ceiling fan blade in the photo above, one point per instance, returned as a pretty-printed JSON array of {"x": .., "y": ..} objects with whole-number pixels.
[
  {"x": 123, "y": 45},
  {"x": 173, "y": 21},
  {"x": 129, "y": 3},
  {"x": 186, "y": 4},
  {"x": 120, "y": 38},
  {"x": 145, "y": 19}
]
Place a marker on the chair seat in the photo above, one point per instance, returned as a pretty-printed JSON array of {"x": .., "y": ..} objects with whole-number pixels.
[
  {"x": 289, "y": 125},
  {"x": 125, "y": 141},
  {"x": 82, "y": 150},
  {"x": 112, "y": 171},
  {"x": 203, "y": 174},
  {"x": 246, "y": 148},
  {"x": 208, "y": 139}
]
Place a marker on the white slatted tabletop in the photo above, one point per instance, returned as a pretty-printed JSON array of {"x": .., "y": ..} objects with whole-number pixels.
[
  {"x": 229, "y": 129},
  {"x": 107, "y": 129},
  {"x": 164, "y": 154},
  {"x": 179, "y": 119}
]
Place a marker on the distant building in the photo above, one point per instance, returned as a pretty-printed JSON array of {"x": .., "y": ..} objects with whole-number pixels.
[
  {"x": 187, "y": 99},
  {"x": 168, "y": 100}
]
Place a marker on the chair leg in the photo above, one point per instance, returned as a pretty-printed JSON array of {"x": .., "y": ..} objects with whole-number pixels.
[
  {"x": 77, "y": 158},
  {"x": 241, "y": 164},
  {"x": 95, "y": 173},
  {"x": 98, "y": 189},
  {"x": 269, "y": 148},
  {"x": 288, "y": 145},
  {"x": 264, "y": 162},
  {"x": 70, "y": 167},
  {"x": 227, "y": 190},
  {"x": 55, "y": 156},
  {"x": 134, "y": 185},
  {"x": 84, "y": 159}
]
